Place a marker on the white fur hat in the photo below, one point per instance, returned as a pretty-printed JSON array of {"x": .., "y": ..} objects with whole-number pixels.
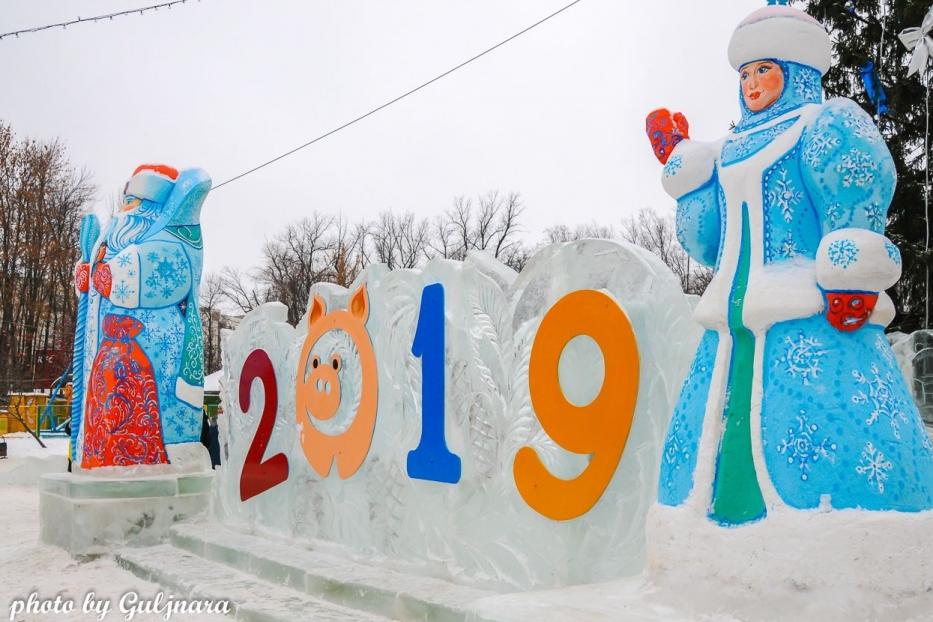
[{"x": 782, "y": 33}]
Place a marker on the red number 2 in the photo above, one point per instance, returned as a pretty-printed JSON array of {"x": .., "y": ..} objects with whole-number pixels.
[{"x": 258, "y": 476}]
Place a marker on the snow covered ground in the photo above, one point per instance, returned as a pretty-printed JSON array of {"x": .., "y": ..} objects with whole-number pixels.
[
  {"x": 26, "y": 460},
  {"x": 27, "y": 566}
]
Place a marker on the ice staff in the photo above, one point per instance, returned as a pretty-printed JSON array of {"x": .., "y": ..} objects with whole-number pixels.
[{"x": 90, "y": 231}]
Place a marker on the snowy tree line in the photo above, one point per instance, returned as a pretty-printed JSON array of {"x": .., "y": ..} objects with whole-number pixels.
[{"x": 42, "y": 198}]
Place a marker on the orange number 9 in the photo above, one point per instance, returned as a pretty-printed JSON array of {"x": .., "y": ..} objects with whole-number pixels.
[{"x": 600, "y": 428}]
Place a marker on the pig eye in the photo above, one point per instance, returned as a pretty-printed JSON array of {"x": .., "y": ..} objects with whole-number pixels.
[
  {"x": 335, "y": 363},
  {"x": 315, "y": 362},
  {"x": 856, "y": 303},
  {"x": 836, "y": 303}
]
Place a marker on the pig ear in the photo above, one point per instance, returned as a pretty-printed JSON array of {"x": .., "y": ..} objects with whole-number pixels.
[
  {"x": 359, "y": 303},
  {"x": 318, "y": 310}
]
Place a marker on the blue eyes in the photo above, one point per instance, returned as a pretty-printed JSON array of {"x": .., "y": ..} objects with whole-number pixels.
[{"x": 761, "y": 71}]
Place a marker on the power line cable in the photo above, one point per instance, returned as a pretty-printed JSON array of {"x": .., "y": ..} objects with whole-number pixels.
[
  {"x": 399, "y": 98},
  {"x": 81, "y": 20}
]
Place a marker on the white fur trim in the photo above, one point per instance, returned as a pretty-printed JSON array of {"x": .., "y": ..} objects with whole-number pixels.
[
  {"x": 780, "y": 292},
  {"x": 150, "y": 185},
  {"x": 884, "y": 311},
  {"x": 776, "y": 292},
  {"x": 189, "y": 393},
  {"x": 781, "y": 33},
  {"x": 689, "y": 167},
  {"x": 855, "y": 259},
  {"x": 124, "y": 270}
]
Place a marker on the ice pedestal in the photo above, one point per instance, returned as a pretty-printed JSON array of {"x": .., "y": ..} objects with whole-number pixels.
[{"x": 88, "y": 513}]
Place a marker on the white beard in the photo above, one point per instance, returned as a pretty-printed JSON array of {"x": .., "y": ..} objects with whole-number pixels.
[{"x": 128, "y": 228}]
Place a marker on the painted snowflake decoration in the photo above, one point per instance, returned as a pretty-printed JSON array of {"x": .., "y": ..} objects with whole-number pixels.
[
  {"x": 881, "y": 398},
  {"x": 673, "y": 166},
  {"x": 834, "y": 213},
  {"x": 805, "y": 87},
  {"x": 842, "y": 253},
  {"x": 789, "y": 246},
  {"x": 121, "y": 292},
  {"x": 802, "y": 357},
  {"x": 676, "y": 449},
  {"x": 884, "y": 349},
  {"x": 875, "y": 217},
  {"x": 801, "y": 446},
  {"x": 927, "y": 443},
  {"x": 861, "y": 125},
  {"x": 875, "y": 465},
  {"x": 820, "y": 146},
  {"x": 124, "y": 260},
  {"x": 785, "y": 195},
  {"x": 857, "y": 169},
  {"x": 894, "y": 253}
]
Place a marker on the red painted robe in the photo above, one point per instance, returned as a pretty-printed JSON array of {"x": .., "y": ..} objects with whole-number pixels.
[{"x": 122, "y": 425}]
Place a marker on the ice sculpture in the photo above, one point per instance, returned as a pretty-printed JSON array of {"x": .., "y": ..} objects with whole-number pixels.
[
  {"x": 448, "y": 355},
  {"x": 138, "y": 349},
  {"x": 794, "y": 401}
]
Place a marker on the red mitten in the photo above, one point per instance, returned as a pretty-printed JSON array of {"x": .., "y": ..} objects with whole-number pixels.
[
  {"x": 102, "y": 279},
  {"x": 82, "y": 277},
  {"x": 848, "y": 311},
  {"x": 665, "y": 130}
]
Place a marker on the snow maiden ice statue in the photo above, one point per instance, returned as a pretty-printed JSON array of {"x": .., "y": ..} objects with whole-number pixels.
[
  {"x": 139, "y": 352},
  {"x": 794, "y": 400}
]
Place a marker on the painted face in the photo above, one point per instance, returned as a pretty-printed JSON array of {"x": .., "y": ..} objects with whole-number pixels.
[
  {"x": 849, "y": 311},
  {"x": 762, "y": 84},
  {"x": 130, "y": 203}
]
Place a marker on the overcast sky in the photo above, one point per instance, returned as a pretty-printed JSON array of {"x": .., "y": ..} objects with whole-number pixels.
[{"x": 557, "y": 114}]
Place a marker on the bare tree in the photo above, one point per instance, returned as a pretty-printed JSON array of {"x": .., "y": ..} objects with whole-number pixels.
[
  {"x": 400, "y": 240},
  {"x": 241, "y": 290},
  {"x": 296, "y": 259},
  {"x": 493, "y": 227},
  {"x": 563, "y": 233},
  {"x": 211, "y": 294},
  {"x": 658, "y": 234},
  {"x": 42, "y": 199},
  {"x": 350, "y": 253}
]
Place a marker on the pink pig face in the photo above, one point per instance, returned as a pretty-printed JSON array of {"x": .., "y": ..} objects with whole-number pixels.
[{"x": 322, "y": 385}]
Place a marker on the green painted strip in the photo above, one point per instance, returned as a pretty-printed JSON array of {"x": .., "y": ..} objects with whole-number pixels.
[
  {"x": 190, "y": 234},
  {"x": 736, "y": 495}
]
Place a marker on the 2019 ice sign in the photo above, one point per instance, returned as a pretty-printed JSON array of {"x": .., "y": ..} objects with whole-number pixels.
[{"x": 495, "y": 421}]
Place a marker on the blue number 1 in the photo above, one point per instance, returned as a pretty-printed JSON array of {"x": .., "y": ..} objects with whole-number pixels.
[{"x": 431, "y": 460}]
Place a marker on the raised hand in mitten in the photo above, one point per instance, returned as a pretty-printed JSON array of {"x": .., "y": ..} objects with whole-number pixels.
[{"x": 665, "y": 130}]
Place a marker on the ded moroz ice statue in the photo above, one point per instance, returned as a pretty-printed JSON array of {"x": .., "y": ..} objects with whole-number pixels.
[
  {"x": 139, "y": 350},
  {"x": 794, "y": 400}
]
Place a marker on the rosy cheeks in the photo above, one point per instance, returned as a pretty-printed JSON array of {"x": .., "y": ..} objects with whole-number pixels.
[{"x": 762, "y": 84}]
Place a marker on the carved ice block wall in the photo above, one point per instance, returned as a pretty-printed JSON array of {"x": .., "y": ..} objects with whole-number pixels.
[{"x": 479, "y": 530}]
